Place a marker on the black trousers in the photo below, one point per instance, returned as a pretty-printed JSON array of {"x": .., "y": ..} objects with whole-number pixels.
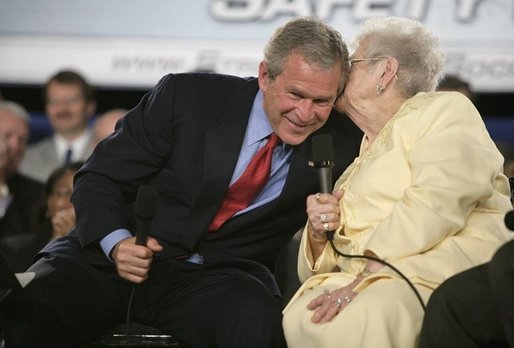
[
  {"x": 201, "y": 306},
  {"x": 474, "y": 308}
]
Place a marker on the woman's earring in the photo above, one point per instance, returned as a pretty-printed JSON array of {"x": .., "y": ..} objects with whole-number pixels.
[{"x": 380, "y": 88}]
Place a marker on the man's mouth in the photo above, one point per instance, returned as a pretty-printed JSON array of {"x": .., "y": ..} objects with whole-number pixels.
[{"x": 299, "y": 125}]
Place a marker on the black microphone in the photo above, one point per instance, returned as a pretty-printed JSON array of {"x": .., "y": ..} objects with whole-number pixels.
[
  {"x": 323, "y": 159},
  {"x": 509, "y": 220},
  {"x": 145, "y": 209}
]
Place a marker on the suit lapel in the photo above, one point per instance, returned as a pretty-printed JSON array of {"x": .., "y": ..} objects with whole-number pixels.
[
  {"x": 222, "y": 147},
  {"x": 300, "y": 175}
]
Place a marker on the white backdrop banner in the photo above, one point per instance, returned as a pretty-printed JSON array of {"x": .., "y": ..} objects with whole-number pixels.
[{"x": 133, "y": 43}]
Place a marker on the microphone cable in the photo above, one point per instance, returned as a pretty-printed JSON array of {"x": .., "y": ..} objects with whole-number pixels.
[
  {"x": 127, "y": 317},
  {"x": 145, "y": 209},
  {"x": 330, "y": 238}
]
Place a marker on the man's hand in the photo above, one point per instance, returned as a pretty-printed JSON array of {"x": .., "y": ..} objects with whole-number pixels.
[{"x": 133, "y": 261}]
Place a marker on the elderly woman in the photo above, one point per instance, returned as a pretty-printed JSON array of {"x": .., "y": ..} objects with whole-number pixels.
[{"x": 426, "y": 194}]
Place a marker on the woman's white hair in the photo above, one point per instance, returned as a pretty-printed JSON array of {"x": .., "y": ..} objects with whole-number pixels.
[{"x": 419, "y": 55}]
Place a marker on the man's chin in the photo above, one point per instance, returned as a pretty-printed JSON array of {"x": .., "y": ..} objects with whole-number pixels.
[{"x": 294, "y": 139}]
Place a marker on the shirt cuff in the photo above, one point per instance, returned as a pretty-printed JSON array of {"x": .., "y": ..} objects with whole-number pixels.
[{"x": 109, "y": 242}]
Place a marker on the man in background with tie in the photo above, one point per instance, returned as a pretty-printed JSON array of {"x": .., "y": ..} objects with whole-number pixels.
[
  {"x": 70, "y": 104},
  {"x": 229, "y": 157}
]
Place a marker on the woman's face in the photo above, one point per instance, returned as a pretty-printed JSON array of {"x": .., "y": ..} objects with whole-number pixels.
[
  {"x": 360, "y": 88},
  {"x": 59, "y": 198}
]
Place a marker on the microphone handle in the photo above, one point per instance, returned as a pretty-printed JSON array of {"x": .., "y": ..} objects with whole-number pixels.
[
  {"x": 142, "y": 230},
  {"x": 325, "y": 179}
]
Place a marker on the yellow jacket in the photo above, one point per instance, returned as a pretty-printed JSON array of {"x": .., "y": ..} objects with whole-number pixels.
[{"x": 428, "y": 195}]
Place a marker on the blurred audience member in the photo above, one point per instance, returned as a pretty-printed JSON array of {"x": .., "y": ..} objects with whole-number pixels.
[
  {"x": 455, "y": 83},
  {"x": 70, "y": 103},
  {"x": 53, "y": 218},
  {"x": 19, "y": 195},
  {"x": 105, "y": 123}
]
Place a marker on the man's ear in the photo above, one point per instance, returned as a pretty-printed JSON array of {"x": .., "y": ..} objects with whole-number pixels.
[{"x": 263, "y": 76}]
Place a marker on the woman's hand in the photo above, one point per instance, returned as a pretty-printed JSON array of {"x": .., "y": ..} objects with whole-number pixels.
[
  {"x": 323, "y": 214},
  {"x": 329, "y": 304}
]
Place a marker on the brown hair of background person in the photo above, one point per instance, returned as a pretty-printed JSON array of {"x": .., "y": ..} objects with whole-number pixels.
[
  {"x": 70, "y": 77},
  {"x": 455, "y": 83}
]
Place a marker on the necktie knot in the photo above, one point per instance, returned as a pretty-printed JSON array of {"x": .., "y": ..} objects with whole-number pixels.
[
  {"x": 242, "y": 192},
  {"x": 273, "y": 141}
]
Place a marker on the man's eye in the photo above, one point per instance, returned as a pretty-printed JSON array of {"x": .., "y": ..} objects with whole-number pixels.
[{"x": 322, "y": 102}]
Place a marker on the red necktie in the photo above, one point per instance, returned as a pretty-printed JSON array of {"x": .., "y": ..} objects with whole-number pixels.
[{"x": 241, "y": 193}]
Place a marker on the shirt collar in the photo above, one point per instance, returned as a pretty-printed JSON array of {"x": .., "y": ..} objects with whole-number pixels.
[
  {"x": 78, "y": 145},
  {"x": 258, "y": 122}
]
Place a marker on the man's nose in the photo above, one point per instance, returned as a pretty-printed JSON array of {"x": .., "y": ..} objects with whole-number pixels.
[{"x": 306, "y": 107}]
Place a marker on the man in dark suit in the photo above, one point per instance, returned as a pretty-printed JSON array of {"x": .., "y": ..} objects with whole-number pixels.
[
  {"x": 19, "y": 195},
  {"x": 192, "y": 137}
]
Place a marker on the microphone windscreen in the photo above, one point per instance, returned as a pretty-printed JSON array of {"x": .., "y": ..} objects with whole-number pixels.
[
  {"x": 322, "y": 149},
  {"x": 509, "y": 220},
  {"x": 146, "y": 202}
]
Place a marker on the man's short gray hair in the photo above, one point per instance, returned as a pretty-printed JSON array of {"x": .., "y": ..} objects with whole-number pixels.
[{"x": 318, "y": 43}]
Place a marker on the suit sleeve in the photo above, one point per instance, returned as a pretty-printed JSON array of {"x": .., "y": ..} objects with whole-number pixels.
[{"x": 120, "y": 164}]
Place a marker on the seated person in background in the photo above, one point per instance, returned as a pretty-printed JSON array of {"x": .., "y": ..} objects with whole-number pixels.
[
  {"x": 54, "y": 218},
  {"x": 205, "y": 273},
  {"x": 70, "y": 104},
  {"x": 474, "y": 308},
  {"x": 19, "y": 195},
  {"x": 456, "y": 84},
  {"x": 408, "y": 199},
  {"x": 105, "y": 123}
]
